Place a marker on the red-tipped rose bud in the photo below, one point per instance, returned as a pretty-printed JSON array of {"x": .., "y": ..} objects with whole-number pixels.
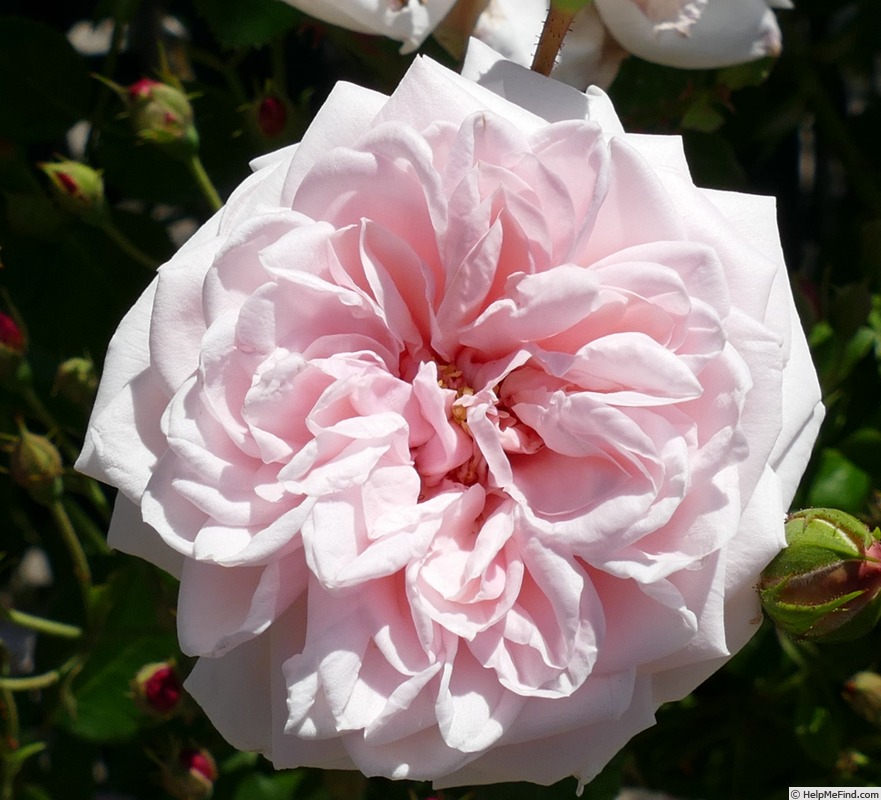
[
  {"x": 13, "y": 345},
  {"x": 11, "y": 336},
  {"x": 35, "y": 465},
  {"x": 76, "y": 380},
  {"x": 190, "y": 775},
  {"x": 271, "y": 115},
  {"x": 826, "y": 584},
  {"x": 157, "y": 689},
  {"x": 162, "y": 115},
  {"x": 862, "y": 692},
  {"x": 78, "y": 189}
]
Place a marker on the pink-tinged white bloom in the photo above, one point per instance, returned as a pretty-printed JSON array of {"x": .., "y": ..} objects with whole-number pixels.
[
  {"x": 695, "y": 34},
  {"x": 468, "y": 425},
  {"x": 678, "y": 33},
  {"x": 407, "y": 21}
]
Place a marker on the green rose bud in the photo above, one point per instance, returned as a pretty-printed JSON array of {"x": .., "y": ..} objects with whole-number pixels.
[
  {"x": 825, "y": 585},
  {"x": 78, "y": 188},
  {"x": 190, "y": 774},
  {"x": 76, "y": 380},
  {"x": 862, "y": 692},
  {"x": 35, "y": 465},
  {"x": 162, "y": 115}
]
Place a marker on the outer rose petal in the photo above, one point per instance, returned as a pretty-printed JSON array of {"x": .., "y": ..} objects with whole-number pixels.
[
  {"x": 435, "y": 517},
  {"x": 408, "y": 21}
]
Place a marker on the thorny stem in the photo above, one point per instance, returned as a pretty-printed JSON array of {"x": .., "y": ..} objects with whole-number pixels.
[{"x": 555, "y": 28}]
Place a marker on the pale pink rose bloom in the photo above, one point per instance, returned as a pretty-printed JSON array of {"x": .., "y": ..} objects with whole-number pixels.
[
  {"x": 678, "y": 33},
  {"x": 407, "y": 21},
  {"x": 468, "y": 425}
]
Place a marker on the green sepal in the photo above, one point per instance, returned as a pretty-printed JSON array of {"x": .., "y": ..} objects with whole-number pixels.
[{"x": 798, "y": 620}]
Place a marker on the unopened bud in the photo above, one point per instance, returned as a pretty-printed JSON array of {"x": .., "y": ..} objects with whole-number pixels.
[
  {"x": 157, "y": 689},
  {"x": 35, "y": 465},
  {"x": 271, "y": 114},
  {"x": 850, "y": 761},
  {"x": 76, "y": 380},
  {"x": 825, "y": 585},
  {"x": 190, "y": 774},
  {"x": 12, "y": 346},
  {"x": 11, "y": 336},
  {"x": 862, "y": 692},
  {"x": 162, "y": 115},
  {"x": 78, "y": 189}
]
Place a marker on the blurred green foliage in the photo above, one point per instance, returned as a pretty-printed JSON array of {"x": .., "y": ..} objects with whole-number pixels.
[{"x": 805, "y": 128}]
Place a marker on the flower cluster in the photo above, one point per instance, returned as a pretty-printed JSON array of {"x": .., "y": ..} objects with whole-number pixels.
[{"x": 467, "y": 424}]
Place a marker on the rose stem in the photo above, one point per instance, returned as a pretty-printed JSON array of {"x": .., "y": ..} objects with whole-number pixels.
[
  {"x": 555, "y": 28},
  {"x": 84, "y": 524},
  {"x": 31, "y": 682},
  {"x": 80, "y": 564},
  {"x": 198, "y": 171},
  {"x": 42, "y": 625},
  {"x": 128, "y": 247}
]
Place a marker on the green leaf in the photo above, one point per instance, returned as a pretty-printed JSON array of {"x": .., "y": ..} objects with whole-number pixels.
[
  {"x": 44, "y": 84},
  {"x": 863, "y": 448},
  {"x": 279, "y": 786},
  {"x": 739, "y": 76},
  {"x": 31, "y": 792},
  {"x": 816, "y": 731},
  {"x": 254, "y": 23},
  {"x": 839, "y": 483},
  {"x": 703, "y": 115},
  {"x": 137, "y": 631}
]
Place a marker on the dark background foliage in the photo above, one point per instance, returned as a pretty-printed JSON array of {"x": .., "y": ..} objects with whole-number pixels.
[{"x": 806, "y": 128}]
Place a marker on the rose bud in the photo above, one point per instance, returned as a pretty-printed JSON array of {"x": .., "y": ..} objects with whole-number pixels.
[
  {"x": 13, "y": 345},
  {"x": 825, "y": 585},
  {"x": 76, "y": 380},
  {"x": 35, "y": 465},
  {"x": 271, "y": 115},
  {"x": 849, "y": 761},
  {"x": 190, "y": 775},
  {"x": 862, "y": 692},
  {"x": 161, "y": 114},
  {"x": 78, "y": 188},
  {"x": 157, "y": 688}
]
